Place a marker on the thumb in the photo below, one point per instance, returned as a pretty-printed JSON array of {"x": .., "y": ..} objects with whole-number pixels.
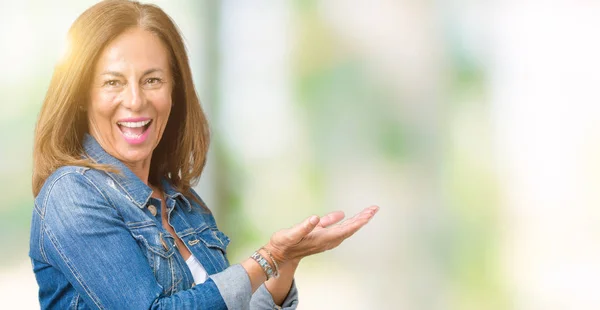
[{"x": 303, "y": 228}]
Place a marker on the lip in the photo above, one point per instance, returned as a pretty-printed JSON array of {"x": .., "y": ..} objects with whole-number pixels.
[{"x": 142, "y": 137}]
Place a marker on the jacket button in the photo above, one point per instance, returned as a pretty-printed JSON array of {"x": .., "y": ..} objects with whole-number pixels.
[
  {"x": 163, "y": 242},
  {"x": 152, "y": 209}
]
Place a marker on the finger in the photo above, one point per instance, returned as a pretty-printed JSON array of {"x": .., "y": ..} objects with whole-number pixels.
[
  {"x": 331, "y": 218},
  {"x": 349, "y": 227},
  {"x": 365, "y": 214},
  {"x": 370, "y": 211},
  {"x": 300, "y": 230},
  {"x": 331, "y": 237}
]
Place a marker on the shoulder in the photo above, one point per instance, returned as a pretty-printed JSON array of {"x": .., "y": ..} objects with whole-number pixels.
[
  {"x": 198, "y": 206},
  {"x": 197, "y": 202},
  {"x": 63, "y": 178},
  {"x": 69, "y": 185},
  {"x": 68, "y": 178}
]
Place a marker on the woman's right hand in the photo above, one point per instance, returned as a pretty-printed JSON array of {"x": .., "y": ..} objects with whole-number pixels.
[{"x": 315, "y": 235}]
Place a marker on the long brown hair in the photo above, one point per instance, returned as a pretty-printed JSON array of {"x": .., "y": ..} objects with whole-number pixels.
[{"x": 181, "y": 154}]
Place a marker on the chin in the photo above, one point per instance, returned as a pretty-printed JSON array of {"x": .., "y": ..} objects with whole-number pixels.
[{"x": 135, "y": 155}]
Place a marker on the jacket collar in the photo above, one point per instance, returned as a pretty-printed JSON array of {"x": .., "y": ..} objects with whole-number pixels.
[
  {"x": 173, "y": 194},
  {"x": 137, "y": 190}
]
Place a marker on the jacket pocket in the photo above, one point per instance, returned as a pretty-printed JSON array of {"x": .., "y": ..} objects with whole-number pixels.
[
  {"x": 159, "y": 251},
  {"x": 217, "y": 242},
  {"x": 213, "y": 238},
  {"x": 152, "y": 238}
]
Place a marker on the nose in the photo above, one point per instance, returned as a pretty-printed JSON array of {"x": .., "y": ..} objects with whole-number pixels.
[{"x": 134, "y": 98}]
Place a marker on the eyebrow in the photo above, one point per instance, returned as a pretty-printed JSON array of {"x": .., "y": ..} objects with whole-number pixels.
[{"x": 119, "y": 74}]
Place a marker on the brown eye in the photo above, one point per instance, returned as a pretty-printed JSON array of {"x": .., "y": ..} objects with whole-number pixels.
[
  {"x": 153, "y": 82},
  {"x": 112, "y": 83}
]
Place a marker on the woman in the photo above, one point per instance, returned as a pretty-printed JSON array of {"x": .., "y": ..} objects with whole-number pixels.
[{"x": 121, "y": 138}]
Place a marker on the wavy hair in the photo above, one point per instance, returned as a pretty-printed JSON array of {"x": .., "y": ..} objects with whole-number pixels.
[{"x": 180, "y": 155}]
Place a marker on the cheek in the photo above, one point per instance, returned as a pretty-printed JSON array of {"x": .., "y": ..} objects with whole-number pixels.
[
  {"x": 165, "y": 107},
  {"x": 162, "y": 105},
  {"x": 101, "y": 108},
  {"x": 164, "y": 112}
]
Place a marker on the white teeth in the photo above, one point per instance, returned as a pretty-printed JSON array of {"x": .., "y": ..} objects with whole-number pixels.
[
  {"x": 131, "y": 135},
  {"x": 134, "y": 124}
]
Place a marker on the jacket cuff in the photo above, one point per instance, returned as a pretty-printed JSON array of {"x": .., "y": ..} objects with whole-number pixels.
[
  {"x": 262, "y": 299},
  {"x": 234, "y": 285}
]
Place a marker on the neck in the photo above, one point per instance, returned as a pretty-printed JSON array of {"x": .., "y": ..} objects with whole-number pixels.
[
  {"x": 156, "y": 192},
  {"x": 140, "y": 169}
]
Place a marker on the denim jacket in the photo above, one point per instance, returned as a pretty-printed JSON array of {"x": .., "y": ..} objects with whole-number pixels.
[{"x": 97, "y": 242}]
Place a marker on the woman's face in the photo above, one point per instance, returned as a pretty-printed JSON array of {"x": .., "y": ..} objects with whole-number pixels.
[{"x": 131, "y": 97}]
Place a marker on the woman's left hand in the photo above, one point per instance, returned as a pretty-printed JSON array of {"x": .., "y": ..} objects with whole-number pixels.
[{"x": 315, "y": 235}]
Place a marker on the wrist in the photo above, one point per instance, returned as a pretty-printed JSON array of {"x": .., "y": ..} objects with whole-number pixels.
[
  {"x": 293, "y": 262},
  {"x": 275, "y": 254},
  {"x": 271, "y": 260},
  {"x": 270, "y": 268}
]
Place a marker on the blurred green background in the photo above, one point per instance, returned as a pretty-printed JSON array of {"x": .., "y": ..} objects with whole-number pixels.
[{"x": 473, "y": 124}]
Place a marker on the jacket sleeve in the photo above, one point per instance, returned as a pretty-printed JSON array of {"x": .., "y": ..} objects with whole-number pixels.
[
  {"x": 262, "y": 299},
  {"x": 88, "y": 241}
]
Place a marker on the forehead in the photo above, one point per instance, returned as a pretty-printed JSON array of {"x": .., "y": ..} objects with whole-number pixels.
[{"x": 135, "y": 49}]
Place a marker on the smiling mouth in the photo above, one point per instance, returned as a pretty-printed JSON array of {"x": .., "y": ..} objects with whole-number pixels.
[{"x": 134, "y": 130}]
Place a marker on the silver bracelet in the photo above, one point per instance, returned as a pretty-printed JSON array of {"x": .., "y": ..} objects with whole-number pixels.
[
  {"x": 276, "y": 275},
  {"x": 264, "y": 264}
]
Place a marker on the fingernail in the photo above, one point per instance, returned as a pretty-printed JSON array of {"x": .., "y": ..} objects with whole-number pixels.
[{"x": 314, "y": 220}]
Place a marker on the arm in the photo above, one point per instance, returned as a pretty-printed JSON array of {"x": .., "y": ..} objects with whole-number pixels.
[{"x": 87, "y": 240}]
